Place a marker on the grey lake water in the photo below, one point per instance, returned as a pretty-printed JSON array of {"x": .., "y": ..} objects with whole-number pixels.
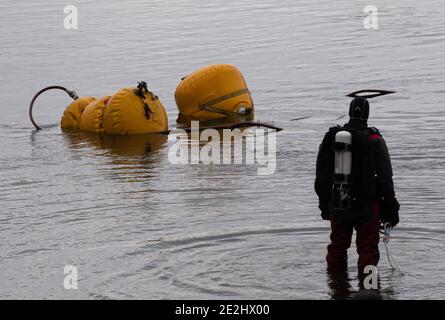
[{"x": 137, "y": 226}]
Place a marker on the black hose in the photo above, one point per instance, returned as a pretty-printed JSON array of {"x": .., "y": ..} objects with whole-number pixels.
[
  {"x": 372, "y": 93},
  {"x": 230, "y": 126},
  {"x": 71, "y": 93}
]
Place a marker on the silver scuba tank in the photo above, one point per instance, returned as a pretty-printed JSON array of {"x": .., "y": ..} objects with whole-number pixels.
[{"x": 342, "y": 172}]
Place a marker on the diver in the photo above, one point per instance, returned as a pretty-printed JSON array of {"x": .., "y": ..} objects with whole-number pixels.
[{"x": 355, "y": 188}]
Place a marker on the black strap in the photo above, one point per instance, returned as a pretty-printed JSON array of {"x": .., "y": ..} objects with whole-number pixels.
[
  {"x": 340, "y": 177},
  {"x": 341, "y": 146},
  {"x": 210, "y": 106}
]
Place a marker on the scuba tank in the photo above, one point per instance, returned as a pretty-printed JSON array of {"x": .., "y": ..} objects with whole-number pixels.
[{"x": 341, "y": 189}]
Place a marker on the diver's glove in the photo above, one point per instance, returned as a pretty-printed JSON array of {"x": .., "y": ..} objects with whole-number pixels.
[{"x": 389, "y": 211}]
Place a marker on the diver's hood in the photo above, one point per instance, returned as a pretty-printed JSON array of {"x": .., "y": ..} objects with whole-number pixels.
[{"x": 359, "y": 109}]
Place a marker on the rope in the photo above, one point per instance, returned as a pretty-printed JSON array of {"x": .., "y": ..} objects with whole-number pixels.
[
  {"x": 387, "y": 236},
  {"x": 71, "y": 93}
]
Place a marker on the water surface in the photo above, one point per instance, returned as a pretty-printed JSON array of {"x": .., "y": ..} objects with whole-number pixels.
[{"x": 139, "y": 227}]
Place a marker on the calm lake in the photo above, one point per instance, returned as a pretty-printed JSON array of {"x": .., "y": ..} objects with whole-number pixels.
[{"x": 137, "y": 226}]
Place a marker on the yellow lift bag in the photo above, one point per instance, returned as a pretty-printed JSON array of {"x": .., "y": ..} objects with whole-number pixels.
[
  {"x": 214, "y": 92},
  {"x": 93, "y": 115},
  {"x": 128, "y": 111},
  {"x": 133, "y": 111},
  {"x": 72, "y": 114}
]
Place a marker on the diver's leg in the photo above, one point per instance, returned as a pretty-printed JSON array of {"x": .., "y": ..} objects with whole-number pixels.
[
  {"x": 337, "y": 257},
  {"x": 368, "y": 241}
]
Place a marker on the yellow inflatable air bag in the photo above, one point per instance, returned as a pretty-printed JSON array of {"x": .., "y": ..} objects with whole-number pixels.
[{"x": 213, "y": 92}]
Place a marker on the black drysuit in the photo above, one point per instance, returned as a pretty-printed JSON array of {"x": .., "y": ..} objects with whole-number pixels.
[
  {"x": 372, "y": 194},
  {"x": 371, "y": 171}
]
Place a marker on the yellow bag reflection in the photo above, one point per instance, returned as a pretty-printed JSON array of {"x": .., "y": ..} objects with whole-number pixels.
[
  {"x": 129, "y": 111},
  {"x": 120, "y": 145},
  {"x": 214, "y": 92}
]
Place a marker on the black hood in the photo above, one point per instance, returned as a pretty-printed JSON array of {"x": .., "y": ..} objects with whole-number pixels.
[{"x": 359, "y": 109}]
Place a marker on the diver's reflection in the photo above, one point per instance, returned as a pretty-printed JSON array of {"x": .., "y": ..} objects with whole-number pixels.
[
  {"x": 341, "y": 289},
  {"x": 338, "y": 282}
]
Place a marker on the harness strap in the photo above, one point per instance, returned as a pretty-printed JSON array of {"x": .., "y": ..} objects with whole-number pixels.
[
  {"x": 210, "y": 106},
  {"x": 341, "y": 146},
  {"x": 341, "y": 178}
]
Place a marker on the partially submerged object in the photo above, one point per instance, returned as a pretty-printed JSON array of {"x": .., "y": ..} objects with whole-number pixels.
[
  {"x": 73, "y": 112},
  {"x": 214, "y": 92},
  {"x": 216, "y": 95},
  {"x": 129, "y": 111}
]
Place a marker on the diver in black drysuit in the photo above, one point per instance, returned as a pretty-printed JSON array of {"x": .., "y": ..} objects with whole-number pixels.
[{"x": 373, "y": 197}]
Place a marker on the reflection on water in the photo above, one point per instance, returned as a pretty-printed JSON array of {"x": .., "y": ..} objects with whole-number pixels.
[
  {"x": 186, "y": 122},
  {"x": 138, "y": 226},
  {"x": 137, "y": 145},
  {"x": 339, "y": 285}
]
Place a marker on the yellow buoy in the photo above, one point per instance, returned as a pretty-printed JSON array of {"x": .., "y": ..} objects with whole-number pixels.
[
  {"x": 72, "y": 114},
  {"x": 92, "y": 117},
  {"x": 134, "y": 111},
  {"x": 214, "y": 92}
]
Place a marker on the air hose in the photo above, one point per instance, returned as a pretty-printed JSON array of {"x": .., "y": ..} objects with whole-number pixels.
[{"x": 71, "y": 93}]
